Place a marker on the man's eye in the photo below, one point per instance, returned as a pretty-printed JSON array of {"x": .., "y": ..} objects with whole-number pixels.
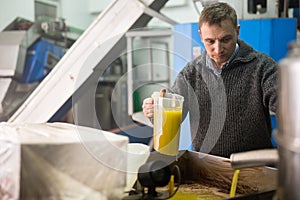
[{"x": 226, "y": 40}]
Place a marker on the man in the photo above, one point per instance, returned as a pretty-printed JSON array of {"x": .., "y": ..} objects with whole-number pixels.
[{"x": 228, "y": 91}]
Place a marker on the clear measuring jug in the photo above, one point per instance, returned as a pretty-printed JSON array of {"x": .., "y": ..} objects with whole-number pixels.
[{"x": 166, "y": 122}]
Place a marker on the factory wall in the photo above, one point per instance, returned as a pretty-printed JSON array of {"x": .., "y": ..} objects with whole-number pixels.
[
  {"x": 77, "y": 14},
  {"x": 83, "y": 12},
  {"x": 9, "y": 10}
]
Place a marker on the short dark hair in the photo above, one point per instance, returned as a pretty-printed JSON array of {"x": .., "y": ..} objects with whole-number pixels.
[{"x": 216, "y": 13}]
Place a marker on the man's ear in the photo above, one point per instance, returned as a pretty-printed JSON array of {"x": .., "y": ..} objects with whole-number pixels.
[
  {"x": 238, "y": 30},
  {"x": 199, "y": 31}
]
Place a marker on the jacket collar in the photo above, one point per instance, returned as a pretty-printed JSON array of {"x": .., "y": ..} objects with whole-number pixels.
[{"x": 246, "y": 52}]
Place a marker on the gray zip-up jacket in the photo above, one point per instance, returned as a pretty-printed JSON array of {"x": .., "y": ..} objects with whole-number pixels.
[{"x": 230, "y": 113}]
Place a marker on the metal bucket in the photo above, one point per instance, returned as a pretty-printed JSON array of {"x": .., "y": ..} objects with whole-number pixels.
[{"x": 288, "y": 135}]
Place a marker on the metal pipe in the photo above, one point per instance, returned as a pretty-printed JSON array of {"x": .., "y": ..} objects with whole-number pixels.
[
  {"x": 285, "y": 8},
  {"x": 255, "y": 158}
]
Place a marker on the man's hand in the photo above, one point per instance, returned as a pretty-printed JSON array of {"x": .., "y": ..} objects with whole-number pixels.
[{"x": 147, "y": 106}]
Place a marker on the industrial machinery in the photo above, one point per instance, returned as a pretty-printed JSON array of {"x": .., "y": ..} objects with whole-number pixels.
[
  {"x": 89, "y": 57},
  {"x": 76, "y": 75},
  {"x": 198, "y": 176},
  {"x": 153, "y": 174},
  {"x": 28, "y": 55}
]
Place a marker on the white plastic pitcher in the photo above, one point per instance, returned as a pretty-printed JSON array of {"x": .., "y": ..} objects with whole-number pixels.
[{"x": 166, "y": 123}]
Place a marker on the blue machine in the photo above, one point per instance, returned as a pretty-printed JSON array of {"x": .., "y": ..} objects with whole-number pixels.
[
  {"x": 270, "y": 36},
  {"x": 41, "y": 57}
]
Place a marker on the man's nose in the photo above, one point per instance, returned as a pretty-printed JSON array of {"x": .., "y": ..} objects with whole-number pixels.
[{"x": 218, "y": 47}]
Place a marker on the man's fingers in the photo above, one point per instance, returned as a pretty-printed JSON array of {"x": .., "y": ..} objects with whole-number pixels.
[
  {"x": 148, "y": 101},
  {"x": 148, "y": 107}
]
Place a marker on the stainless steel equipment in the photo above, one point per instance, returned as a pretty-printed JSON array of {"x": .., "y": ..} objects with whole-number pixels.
[
  {"x": 25, "y": 59},
  {"x": 13, "y": 48},
  {"x": 288, "y": 136}
]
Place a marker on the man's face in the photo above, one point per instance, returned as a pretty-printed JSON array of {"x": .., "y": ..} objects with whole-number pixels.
[{"x": 219, "y": 41}]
